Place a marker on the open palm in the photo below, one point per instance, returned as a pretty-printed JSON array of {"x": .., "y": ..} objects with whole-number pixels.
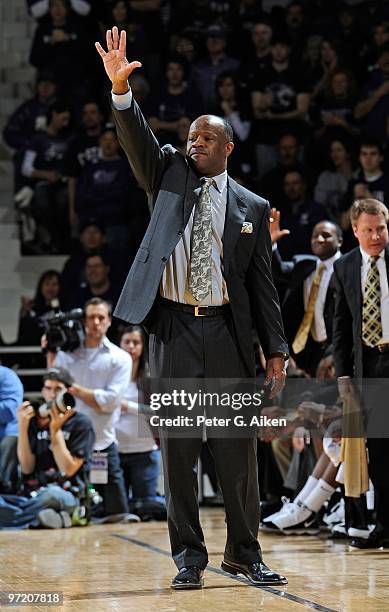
[
  {"x": 275, "y": 232},
  {"x": 116, "y": 65}
]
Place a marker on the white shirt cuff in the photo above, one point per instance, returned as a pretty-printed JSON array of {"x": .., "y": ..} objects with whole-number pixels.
[{"x": 122, "y": 101}]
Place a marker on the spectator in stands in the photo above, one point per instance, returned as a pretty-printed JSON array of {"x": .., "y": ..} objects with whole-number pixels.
[
  {"x": 148, "y": 14},
  {"x": 185, "y": 47},
  {"x": 44, "y": 164},
  {"x": 27, "y": 119},
  {"x": 101, "y": 372},
  {"x": 271, "y": 185},
  {"x": 41, "y": 8},
  {"x": 183, "y": 126},
  {"x": 54, "y": 453},
  {"x": 47, "y": 299},
  {"x": 334, "y": 108},
  {"x": 31, "y": 116},
  {"x": 332, "y": 183},
  {"x": 259, "y": 55},
  {"x": 373, "y": 109},
  {"x": 311, "y": 59},
  {"x": 97, "y": 283},
  {"x": 280, "y": 102},
  {"x": 61, "y": 45},
  {"x": 120, "y": 16},
  {"x": 216, "y": 61},
  {"x": 347, "y": 29},
  {"x": 232, "y": 106},
  {"x": 175, "y": 99},
  {"x": 330, "y": 59},
  {"x": 297, "y": 27},
  {"x": 11, "y": 396},
  {"x": 84, "y": 148},
  {"x": 369, "y": 182},
  {"x": 107, "y": 191},
  {"x": 138, "y": 451},
  {"x": 380, "y": 37},
  {"x": 299, "y": 214},
  {"x": 91, "y": 241}
]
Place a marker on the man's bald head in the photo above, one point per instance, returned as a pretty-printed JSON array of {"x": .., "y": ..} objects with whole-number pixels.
[{"x": 210, "y": 142}]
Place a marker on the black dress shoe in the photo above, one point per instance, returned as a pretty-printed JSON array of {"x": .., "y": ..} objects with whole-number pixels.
[
  {"x": 375, "y": 540},
  {"x": 257, "y": 573},
  {"x": 189, "y": 578}
]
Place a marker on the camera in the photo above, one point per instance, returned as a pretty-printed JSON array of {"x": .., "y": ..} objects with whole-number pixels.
[
  {"x": 63, "y": 402},
  {"x": 64, "y": 330}
]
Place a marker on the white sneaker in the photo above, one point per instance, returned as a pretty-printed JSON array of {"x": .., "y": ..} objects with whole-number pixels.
[
  {"x": 287, "y": 505},
  {"x": 336, "y": 515},
  {"x": 363, "y": 534},
  {"x": 338, "y": 531},
  {"x": 296, "y": 520},
  {"x": 295, "y": 517}
]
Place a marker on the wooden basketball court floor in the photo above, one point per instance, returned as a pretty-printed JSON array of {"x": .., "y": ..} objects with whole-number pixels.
[{"x": 128, "y": 567}]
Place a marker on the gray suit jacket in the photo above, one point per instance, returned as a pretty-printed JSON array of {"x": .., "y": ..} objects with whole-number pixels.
[{"x": 170, "y": 184}]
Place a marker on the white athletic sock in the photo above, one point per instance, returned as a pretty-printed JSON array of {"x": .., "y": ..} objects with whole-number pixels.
[
  {"x": 305, "y": 491},
  {"x": 318, "y": 496}
]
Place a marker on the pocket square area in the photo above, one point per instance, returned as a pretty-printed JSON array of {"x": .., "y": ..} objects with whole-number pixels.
[{"x": 247, "y": 228}]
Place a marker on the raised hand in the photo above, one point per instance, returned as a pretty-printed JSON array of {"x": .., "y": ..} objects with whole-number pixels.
[
  {"x": 24, "y": 414},
  {"x": 275, "y": 232},
  {"x": 57, "y": 420},
  {"x": 116, "y": 65}
]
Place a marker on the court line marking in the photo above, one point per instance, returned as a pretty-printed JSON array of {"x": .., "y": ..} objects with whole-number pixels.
[{"x": 215, "y": 570}]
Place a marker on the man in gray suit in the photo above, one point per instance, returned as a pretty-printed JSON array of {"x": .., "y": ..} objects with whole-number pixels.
[{"x": 200, "y": 280}]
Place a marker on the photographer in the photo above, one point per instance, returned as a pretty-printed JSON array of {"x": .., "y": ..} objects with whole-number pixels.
[
  {"x": 101, "y": 371},
  {"x": 54, "y": 447}
]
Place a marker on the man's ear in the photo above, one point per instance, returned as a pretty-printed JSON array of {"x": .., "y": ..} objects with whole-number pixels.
[{"x": 229, "y": 148}]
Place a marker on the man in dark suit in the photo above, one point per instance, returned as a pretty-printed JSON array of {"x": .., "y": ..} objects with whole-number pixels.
[
  {"x": 306, "y": 309},
  {"x": 201, "y": 277},
  {"x": 361, "y": 338}
]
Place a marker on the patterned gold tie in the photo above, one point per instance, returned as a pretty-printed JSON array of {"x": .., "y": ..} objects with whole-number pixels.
[
  {"x": 306, "y": 324},
  {"x": 200, "y": 277},
  {"x": 371, "y": 309}
]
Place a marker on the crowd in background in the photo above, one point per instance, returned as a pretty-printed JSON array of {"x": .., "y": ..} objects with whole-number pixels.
[{"x": 305, "y": 87}]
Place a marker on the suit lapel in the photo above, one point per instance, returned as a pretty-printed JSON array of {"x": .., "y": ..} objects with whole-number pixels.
[
  {"x": 356, "y": 289},
  {"x": 235, "y": 216},
  {"x": 387, "y": 262},
  {"x": 301, "y": 272},
  {"x": 192, "y": 193}
]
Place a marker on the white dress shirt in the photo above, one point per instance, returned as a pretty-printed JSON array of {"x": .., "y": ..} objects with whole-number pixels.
[
  {"x": 107, "y": 370},
  {"x": 174, "y": 282},
  {"x": 381, "y": 265},
  {"x": 318, "y": 329}
]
